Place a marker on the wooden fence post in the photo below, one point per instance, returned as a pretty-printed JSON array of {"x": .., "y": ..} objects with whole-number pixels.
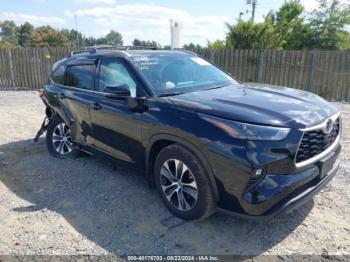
[
  {"x": 211, "y": 56},
  {"x": 312, "y": 70},
  {"x": 260, "y": 66},
  {"x": 12, "y": 77}
]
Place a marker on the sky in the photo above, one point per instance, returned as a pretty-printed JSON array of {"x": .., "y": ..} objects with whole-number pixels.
[{"x": 144, "y": 19}]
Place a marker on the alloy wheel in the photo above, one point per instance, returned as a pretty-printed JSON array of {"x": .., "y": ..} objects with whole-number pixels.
[
  {"x": 178, "y": 184},
  {"x": 61, "y": 139}
]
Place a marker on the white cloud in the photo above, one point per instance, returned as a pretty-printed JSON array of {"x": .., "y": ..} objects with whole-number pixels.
[
  {"x": 311, "y": 5},
  {"x": 20, "y": 18},
  {"x": 99, "y": 33},
  {"x": 108, "y": 2},
  {"x": 132, "y": 34},
  {"x": 151, "y": 22}
]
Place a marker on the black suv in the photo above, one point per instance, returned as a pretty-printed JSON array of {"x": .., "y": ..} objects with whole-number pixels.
[{"x": 204, "y": 140}]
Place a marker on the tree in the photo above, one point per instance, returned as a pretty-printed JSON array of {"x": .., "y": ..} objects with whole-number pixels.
[
  {"x": 137, "y": 42},
  {"x": 288, "y": 29},
  {"x": 47, "y": 36},
  {"x": 192, "y": 46},
  {"x": 218, "y": 44},
  {"x": 25, "y": 32},
  {"x": 27, "y": 35},
  {"x": 9, "y": 32},
  {"x": 113, "y": 38},
  {"x": 250, "y": 35},
  {"x": 291, "y": 27},
  {"x": 74, "y": 37},
  {"x": 329, "y": 22},
  {"x": 344, "y": 43},
  {"x": 143, "y": 43},
  {"x": 152, "y": 44},
  {"x": 90, "y": 41},
  {"x": 6, "y": 44}
]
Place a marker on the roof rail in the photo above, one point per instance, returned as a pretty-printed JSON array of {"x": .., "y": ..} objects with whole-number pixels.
[
  {"x": 94, "y": 49},
  {"x": 78, "y": 52}
]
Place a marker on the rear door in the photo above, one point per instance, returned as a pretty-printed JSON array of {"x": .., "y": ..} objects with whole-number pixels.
[{"x": 76, "y": 97}]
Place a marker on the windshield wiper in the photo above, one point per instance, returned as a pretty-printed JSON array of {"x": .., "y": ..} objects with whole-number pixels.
[
  {"x": 215, "y": 87},
  {"x": 181, "y": 93},
  {"x": 172, "y": 94}
]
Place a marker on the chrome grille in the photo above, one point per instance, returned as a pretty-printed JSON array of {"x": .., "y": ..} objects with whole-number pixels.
[{"x": 316, "y": 141}]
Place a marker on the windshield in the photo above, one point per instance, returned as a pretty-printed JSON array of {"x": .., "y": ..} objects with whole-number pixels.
[{"x": 179, "y": 73}]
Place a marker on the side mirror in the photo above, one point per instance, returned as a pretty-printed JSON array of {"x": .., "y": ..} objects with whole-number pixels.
[{"x": 118, "y": 91}]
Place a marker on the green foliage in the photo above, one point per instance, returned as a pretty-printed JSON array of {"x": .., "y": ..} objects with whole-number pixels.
[
  {"x": 113, "y": 38},
  {"x": 47, "y": 36},
  {"x": 329, "y": 22},
  {"x": 218, "y": 44},
  {"x": 74, "y": 37},
  {"x": 148, "y": 43},
  {"x": 290, "y": 25},
  {"x": 344, "y": 43},
  {"x": 6, "y": 44},
  {"x": 26, "y": 35},
  {"x": 25, "y": 32},
  {"x": 192, "y": 46},
  {"x": 9, "y": 32},
  {"x": 288, "y": 29},
  {"x": 249, "y": 35}
]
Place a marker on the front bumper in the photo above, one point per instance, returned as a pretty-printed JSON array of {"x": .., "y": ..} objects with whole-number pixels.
[{"x": 292, "y": 192}]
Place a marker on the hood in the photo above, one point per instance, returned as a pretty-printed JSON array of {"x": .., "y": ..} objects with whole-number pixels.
[{"x": 266, "y": 105}]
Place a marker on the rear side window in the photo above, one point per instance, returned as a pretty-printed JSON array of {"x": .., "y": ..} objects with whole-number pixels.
[
  {"x": 81, "y": 76},
  {"x": 58, "y": 75}
]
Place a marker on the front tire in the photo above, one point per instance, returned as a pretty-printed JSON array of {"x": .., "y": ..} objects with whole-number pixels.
[
  {"x": 183, "y": 183},
  {"x": 58, "y": 139}
]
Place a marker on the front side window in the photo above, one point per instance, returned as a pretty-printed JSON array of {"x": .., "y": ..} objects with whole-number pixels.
[
  {"x": 58, "y": 75},
  {"x": 81, "y": 76},
  {"x": 178, "y": 73},
  {"x": 114, "y": 73}
]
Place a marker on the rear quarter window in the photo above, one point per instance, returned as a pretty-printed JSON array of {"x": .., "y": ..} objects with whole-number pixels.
[{"x": 58, "y": 75}]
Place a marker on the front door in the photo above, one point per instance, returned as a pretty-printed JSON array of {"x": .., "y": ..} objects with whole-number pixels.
[{"x": 116, "y": 129}]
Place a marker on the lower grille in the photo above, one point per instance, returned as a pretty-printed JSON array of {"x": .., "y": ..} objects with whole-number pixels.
[{"x": 316, "y": 141}]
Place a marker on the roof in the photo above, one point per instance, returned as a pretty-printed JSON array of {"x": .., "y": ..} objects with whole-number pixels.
[{"x": 110, "y": 52}]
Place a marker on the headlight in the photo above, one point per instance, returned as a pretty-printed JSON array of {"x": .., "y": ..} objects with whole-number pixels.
[{"x": 248, "y": 131}]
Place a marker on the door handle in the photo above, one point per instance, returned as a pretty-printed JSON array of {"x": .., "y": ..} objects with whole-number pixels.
[
  {"x": 96, "y": 106},
  {"x": 62, "y": 96}
]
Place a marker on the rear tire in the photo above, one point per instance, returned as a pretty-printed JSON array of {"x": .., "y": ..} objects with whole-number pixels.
[
  {"x": 183, "y": 184},
  {"x": 58, "y": 139}
]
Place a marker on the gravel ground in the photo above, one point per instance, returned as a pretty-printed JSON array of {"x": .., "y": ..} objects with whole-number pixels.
[{"x": 86, "y": 206}]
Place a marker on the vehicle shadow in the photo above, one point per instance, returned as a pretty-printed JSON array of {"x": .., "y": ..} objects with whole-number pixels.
[{"x": 112, "y": 206}]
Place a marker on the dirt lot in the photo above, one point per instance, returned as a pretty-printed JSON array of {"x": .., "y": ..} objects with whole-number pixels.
[{"x": 86, "y": 206}]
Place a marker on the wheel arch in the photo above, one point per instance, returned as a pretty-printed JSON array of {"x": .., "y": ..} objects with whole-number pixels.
[{"x": 159, "y": 141}]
